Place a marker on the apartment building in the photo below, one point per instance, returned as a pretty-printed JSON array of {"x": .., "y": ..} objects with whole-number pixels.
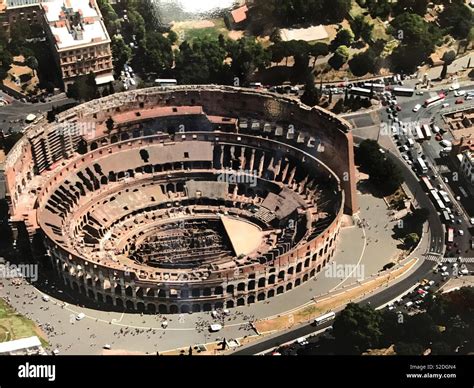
[{"x": 80, "y": 41}]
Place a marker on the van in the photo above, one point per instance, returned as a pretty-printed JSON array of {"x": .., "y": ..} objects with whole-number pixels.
[
  {"x": 446, "y": 143},
  {"x": 215, "y": 327},
  {"x": 80, "y": 316}
]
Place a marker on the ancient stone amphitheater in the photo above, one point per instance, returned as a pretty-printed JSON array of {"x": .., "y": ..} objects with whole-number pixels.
[{"x": 185, "y": 199}]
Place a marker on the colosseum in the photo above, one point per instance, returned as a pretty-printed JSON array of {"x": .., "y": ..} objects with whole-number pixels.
[{"x": 185, "y": 199}]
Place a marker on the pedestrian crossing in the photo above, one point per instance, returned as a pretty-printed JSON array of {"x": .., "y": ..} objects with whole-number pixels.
[{"x": 437, "y": 257}]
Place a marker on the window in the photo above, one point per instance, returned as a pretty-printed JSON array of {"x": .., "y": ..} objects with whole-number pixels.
[{"x": 186, "y": 155}]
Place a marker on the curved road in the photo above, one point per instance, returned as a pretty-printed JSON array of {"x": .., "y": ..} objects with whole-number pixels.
[{"x": 382, "y": 297}]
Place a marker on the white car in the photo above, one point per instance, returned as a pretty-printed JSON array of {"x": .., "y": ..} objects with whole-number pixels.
[
  {"x": 80, "y": 316},
  {"x": 302, "y": 341},
  {"x": 445, "y": 105},
  {"x": 461, "y": 232},
  {"x": 215, "y": 327},
  {"x": 458, "y": 93},
  {"x": 417, "y": 107},
  {"x": 472, "y": 221}
]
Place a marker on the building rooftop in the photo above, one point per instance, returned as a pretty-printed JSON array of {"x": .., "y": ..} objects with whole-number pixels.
[
  {"x": 239, "y": 14},
  {"x": 20, "y": 344},
  {"x": 75, "y": 23}
]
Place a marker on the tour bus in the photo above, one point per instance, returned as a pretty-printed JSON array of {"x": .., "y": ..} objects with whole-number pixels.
[
  {"x": 378, "y": 88},
  {"x": 435, "y": 195},
  {"x": 450, "y": 235},
  {"x": 427, "y": 183},
  {"x": 445, "y": 197},
  {"x": 440, "y": 205},
  {"x": 446, "y": 217},
  {"x": 359, "y": 92},
  {"x": 426, "y": 131},
  {"x": 165, "y": 82},
  {"x": 399, "y": 91},
  {"x": 325, "y": 318},
  {"x": 422, "y": 164},
  {"x": 419, "y": 133},
  {"x": 434, "y": 100}
]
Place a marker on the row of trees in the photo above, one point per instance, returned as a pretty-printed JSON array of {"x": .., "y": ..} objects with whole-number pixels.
[
  {"x": 290, "y": 12},
  {"x": 447, "y": 327}
]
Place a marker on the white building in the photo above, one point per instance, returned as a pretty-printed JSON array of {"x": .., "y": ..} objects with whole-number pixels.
[{"x": 467, "y": 166}]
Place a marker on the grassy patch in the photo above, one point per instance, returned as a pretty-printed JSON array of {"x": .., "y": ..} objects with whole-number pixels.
[{"x": 15, "y": 326}]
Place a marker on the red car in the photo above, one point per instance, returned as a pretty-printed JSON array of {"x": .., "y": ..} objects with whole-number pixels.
[
  {"x": 398, "y": 108},
  {"x": 459, "y": 101},
  {"x": 438, "y": 137}
]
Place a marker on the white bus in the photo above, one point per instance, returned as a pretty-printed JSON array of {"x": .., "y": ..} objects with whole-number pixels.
[
  {"x": 166, "y": 82},
  {"x": 363, "y": 92},
  {"x": 419, "y": 133},
  {"x": 378, "y": 88},
  {"x": 399, "y": 91},
  {"x": 325, "y": 318},
  {"x": 427, "y": 131},
  {"x": 434, "y": 100},
  {"x": 445, "y": 197},
  {"x": 422, "y": 164}
]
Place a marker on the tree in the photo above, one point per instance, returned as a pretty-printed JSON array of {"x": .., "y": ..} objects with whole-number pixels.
[
  {"x": 339, "y": 58},
  {"x": 310, "y": 96},
  {"x": 121, "y": 53},
  {"x": 84, "y": 88},
  {"x": 6, "y": 60},
  {"x": 361, "y": 28},
  {"x": 411, "y": 240},
  {"x": 319, "y": 49},
  {"x": 343, "y": 38},
  {"x": 247, "y": 56},
  {"x": 109, "y": 15},
  {"x": 457, "y": 18},
  {"x": 363, "y": 63},
  {"x": 275, "y": 36},
  {"x": 158, "y": 55},
  {"x": 172, "y": 37},
  {"x": 356, "y": 329},
  {"x": 448, "y": 58},
  {"x": 32, "y": 63}
]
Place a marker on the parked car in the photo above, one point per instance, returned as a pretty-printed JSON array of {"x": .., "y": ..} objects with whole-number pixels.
[
  {"x": 459, "y": 101},
  {"x": 416, "y": 108}
]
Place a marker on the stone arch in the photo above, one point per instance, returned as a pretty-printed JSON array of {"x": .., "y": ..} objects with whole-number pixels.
[
  {"x": 280, "y": 290},
  {"x": 162, "y": 309},
  {"x": 251, "y": 299},
  {"x": 151, "y": 308},
  {"x": 289, "y": 286},
  {"x": 185, "y": 309},
  {"x": 271, "y": 293},
  {"x": 261, "y": 296},
  {"x": 241, "y": 302},
  {"x": 174, "y": 309}
]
